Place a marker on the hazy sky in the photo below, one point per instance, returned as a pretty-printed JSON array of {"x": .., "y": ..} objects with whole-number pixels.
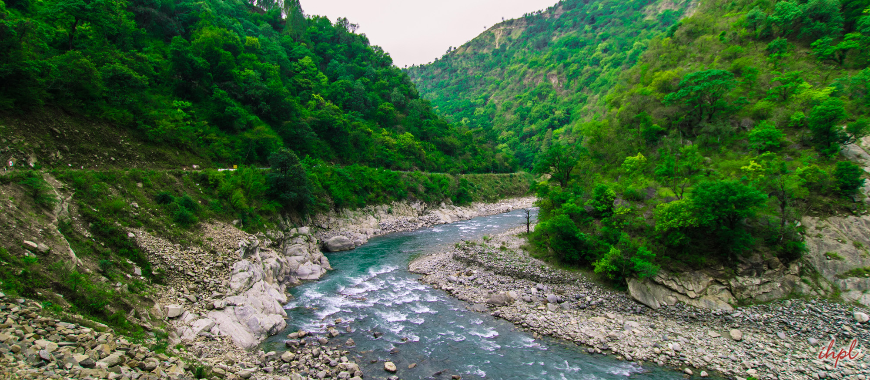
[{"x": 417, "y": 31}]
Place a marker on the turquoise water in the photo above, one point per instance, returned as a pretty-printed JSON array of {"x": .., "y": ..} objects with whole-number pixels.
[{"x": 372, "y": 289}]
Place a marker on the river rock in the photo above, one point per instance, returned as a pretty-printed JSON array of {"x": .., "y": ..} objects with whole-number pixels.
[
  {"x": 500, "y": 299},
  {"x": 338, "y": 243},
  {"x": 390, "y": 367},
  {"x": 288, "y": 357}
]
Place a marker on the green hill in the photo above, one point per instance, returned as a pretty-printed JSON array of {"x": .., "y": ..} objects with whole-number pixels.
[
  {"x": 228, "y": 81},
  {"x": 707, "y": 144},
  {"x": 522, "y": 79}
]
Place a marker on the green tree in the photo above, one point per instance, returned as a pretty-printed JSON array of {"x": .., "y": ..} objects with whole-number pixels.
[
  {"x": 765, "y": 136},
  {"x": 678, "y": 171},
  {"x": 722, "y": 205},
  {"x": 559, "y": 161},
  {"x": 848, "y": 176},
  {"x": 288, "y": 182},
  {"x": 703, "y": 93},
  {"x": 824, "y": 121}
]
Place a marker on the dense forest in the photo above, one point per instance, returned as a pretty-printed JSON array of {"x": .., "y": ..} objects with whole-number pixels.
[
  {"x": 557, "y": 63},
  {"x": 732, "y": 124},
  {"x": 232, "y": 81}
]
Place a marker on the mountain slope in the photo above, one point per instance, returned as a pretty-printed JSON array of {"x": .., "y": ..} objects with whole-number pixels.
[
  {"x": 231, "y": 81},
  {"x": 732, "y": 128},
  {"x": 523, "y": 78}
]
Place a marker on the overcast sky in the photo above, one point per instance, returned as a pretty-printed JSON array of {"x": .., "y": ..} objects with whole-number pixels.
[{"x": 417, "y": 31}]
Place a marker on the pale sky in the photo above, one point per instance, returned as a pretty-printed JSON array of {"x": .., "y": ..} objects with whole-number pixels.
[{"x": 417, "y": 31}]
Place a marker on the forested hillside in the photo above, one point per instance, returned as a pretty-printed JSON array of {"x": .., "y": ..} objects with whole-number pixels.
[
  {"x": 726, "y": 132},
  {"x": 672, "y": 141},
  {"x": 522, "y": 79},
  {"x": 230, "y": 81}
]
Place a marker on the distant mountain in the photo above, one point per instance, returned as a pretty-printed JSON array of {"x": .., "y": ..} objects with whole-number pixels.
[{"x": 524, "y": 78}]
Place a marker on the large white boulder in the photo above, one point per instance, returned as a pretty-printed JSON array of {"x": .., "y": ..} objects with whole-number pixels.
[{"x": 338, "y": 243}]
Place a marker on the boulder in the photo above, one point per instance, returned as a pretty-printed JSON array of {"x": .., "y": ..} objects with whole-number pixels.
[
  {"x": 860, "y": 317},
  {"x": 338, "y": 243},
  {"x": 174, "y": 311},
  {"x": 197, "y": 328},
  {"x": 500, "y": 299}
]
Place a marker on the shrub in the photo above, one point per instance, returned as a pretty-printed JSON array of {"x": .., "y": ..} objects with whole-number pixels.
[
  {"x": 184, "y": 217},
  {"x": 765, "y": 136},
  {"x": 164, "y": 198},
  {"x": 848, "y": 176}
]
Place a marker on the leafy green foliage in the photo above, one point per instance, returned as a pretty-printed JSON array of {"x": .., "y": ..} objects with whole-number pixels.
[
  {"x": 848, "y": 176},
  {"x": 231, "y": 81},
  {"x": 765, "y": 136},
  {"x": 287, "y": 181},
  {"x": 702, "y": 94}
]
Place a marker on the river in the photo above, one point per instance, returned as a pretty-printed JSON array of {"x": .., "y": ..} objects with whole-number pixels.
[{"x": 371, "y": 290}]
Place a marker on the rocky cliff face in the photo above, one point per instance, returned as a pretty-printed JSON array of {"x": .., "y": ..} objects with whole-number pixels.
[{"x": 757, "y": 280}]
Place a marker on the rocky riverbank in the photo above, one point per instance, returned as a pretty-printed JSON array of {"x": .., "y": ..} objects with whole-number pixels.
[
  {"x": 35, "y": 344},
  {"x": 778, "y": 340}
]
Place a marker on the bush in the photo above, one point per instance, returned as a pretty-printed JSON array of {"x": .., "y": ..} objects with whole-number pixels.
[
  {"x": 602, "y": 200},
  {"x": 848, "y": 176},
  {"x": 184, "y": 217},
  {"x": 765, "y": 136},
  {"x": 164, "y": 198}
]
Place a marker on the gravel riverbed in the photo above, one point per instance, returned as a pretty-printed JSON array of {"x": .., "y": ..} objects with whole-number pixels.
[{"x": 778, "y": 340}]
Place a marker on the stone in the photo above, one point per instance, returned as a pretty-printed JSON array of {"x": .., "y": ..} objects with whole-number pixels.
[
  {"x": 88, "y": 363},
  {"x": 112, "y": 360},
  {"x": 552, "y": 298},
  {"x": 500, "y": 299},
  {"x": 46, "y": 345},
  {"x": 30, "y": 244},
  {"x": 288, "y": 357},
  {"x": 713, "y": 334},
  {"x": 704, "y": 374},
  {"x": 245, "y": 373},
  {"x": 736, "y": 334},
  {"x": 688, "y": 371},
  {"x": 197, "y": 328},
  {"x": 174, "y": 311},
  {"x": 390, "y": 367},
  {"x": 338, "y": 243},
  {"x": 813, "y": 341},
  {"x": 350, "y": 343},
  {"x": 860, "y": 317}
]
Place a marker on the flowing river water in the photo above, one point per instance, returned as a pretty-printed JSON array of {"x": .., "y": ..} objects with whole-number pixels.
[{"x": 371, "y": 290}]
